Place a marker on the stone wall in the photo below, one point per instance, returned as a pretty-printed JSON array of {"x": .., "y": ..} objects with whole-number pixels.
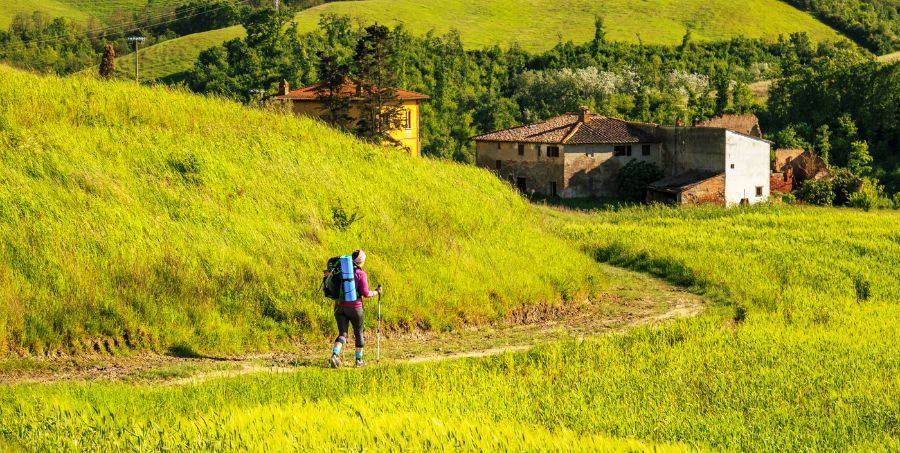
[
  {"x": 537, "y": 170},
  {"x": 591, "y": 171}
]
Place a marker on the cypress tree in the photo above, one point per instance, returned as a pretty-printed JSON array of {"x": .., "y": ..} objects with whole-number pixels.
[{"x": 108, "y": 64}]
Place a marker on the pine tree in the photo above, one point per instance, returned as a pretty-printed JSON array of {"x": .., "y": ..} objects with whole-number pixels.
[
  {"x": 599, "y": 35},
  {"x": 108, "y": 64},
  {"x": 380, "y": 108}
]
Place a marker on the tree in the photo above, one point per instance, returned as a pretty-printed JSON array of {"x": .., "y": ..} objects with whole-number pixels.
[
  {"x": 380, "y": 109},
  {"x": 599, "y": 35},
  {"x": 332, "y": 78},
  {"x": 108, "y": 64},
  {"x": 634, "y": 178},
  {"x": 741, "y": 98},
  {"x": 860, "y": 161},
  {"x": 823, "y": 142}
]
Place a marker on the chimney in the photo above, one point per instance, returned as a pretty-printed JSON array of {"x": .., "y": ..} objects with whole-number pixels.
[
  {"x": 284, "y": 88},
  {"x": 584, "y": 114}
]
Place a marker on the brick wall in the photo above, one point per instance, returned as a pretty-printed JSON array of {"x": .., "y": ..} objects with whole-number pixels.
[
  {"x": 710, "y": 191},
  {"x": 782, "y": 181}
]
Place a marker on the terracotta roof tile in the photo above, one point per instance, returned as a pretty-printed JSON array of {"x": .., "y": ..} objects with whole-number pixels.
[
  {"x": 680, "y": 182},
  {"x": 348, "y": 89},
  {"x": 745, "y": 124},
  {"x": 567, "y": 129}
]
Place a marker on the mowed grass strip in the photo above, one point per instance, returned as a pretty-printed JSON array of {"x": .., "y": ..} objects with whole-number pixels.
[{"x": 146, "y": 218}]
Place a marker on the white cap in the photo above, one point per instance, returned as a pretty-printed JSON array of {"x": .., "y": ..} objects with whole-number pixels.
[{"x": 359, "y": 257}]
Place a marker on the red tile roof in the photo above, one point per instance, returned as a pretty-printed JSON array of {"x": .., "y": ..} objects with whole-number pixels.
[
  {"x": 568, "y": 129},
  {"x": 348, "y": 89},
  {"x": 745, "y": 124}
]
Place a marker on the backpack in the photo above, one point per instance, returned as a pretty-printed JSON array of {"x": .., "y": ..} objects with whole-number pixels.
[{"x": 339, "y": 280}]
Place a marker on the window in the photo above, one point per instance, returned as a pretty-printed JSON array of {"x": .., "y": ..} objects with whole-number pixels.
[
  {"x": 499, "y": 165},
  {"x": 591, "y": 155},
  {"x": 553, "y": 189},
  {"x": 645, "y": 150},
  {"x": 521, "y": 149},
  {"x": 552, "y": 151},
  {"x": 759, "y": 191},
  {"x": 520, "y": 183},
  {"x": 538, "y": 150},
  {"x": 498, "y": 145},
  {"x": 622, "y": 150},
  {"x": 407, "y": 122},
  {"x": 732, "y": 166}
]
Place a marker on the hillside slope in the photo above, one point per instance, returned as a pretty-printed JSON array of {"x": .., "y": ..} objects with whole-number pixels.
[
  {"x": 77, "y": 10},
  {"x": 505, "y": 21},
  {"x": 538, "y": 24},
  {"x": 145, "y": 218},
  {"x": 54, "y": 8}
]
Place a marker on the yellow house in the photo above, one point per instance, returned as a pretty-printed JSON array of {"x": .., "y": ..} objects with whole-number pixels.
[{"x": 305, "y": 101}]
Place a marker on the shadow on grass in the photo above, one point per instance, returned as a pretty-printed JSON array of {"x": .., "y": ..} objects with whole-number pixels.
[{"x": 186, "y": 351}]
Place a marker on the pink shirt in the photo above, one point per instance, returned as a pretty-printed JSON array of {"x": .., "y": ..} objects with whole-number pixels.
[{"x": 362, "y": 289}]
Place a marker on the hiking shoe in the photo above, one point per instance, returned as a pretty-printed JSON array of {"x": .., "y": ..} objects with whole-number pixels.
[
  {"x": 335, "y": 361},
  {"x": 360, "y": 364}
]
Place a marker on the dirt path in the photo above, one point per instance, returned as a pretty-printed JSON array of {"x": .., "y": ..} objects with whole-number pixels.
[{"x": 622, "y": 308}]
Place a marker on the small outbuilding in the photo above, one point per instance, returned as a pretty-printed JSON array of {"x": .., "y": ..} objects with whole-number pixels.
[{"x": 692, "y": 187}]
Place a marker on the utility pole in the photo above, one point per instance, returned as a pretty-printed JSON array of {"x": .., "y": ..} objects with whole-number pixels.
[{"x": 137, "y": 40}]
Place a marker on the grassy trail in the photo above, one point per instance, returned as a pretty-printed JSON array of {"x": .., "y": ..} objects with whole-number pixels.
[{"x": 638, "y": 300}]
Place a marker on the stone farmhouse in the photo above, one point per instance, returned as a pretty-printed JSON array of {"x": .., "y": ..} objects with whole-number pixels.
[
  {"x": 579, "y": 155},
  {"x": 306, "y": 101}
]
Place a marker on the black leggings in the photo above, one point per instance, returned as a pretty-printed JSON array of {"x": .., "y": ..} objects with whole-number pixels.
[{"x": 346, "y": 316}]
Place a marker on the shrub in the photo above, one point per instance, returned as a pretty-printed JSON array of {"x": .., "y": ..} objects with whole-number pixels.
[
  {"x": 635, "y": 176},
  {"x": 816, "y": 191},
  {"x": 867, "y": 197},
  {"x": 844, "y": 183}
]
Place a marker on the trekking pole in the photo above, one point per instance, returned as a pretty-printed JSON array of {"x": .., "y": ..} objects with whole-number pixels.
[{"x": 378, "y": 335}]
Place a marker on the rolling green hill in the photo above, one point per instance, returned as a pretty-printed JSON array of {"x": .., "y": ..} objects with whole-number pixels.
[
  {"x": 175, "y": 55},
  {"x": 505, "y": 21},
  {"x": 538, "y": 24},
  {"x": 154, "y": 219},
  {"x": 78, "y": 10},
  {"x": 11, "y": 8}
]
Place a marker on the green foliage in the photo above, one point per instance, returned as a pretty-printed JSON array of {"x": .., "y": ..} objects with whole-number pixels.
[
  {"x": 873, "y": 23},
  {"x": 860, "y": 161},
  {"x": 634, "y": 177},
  {"x": 869, "y": 195},
  {"x": 153, "y": 217},
  {"x": 816, "y": 191},
  {"x": 854, "y": 96}
]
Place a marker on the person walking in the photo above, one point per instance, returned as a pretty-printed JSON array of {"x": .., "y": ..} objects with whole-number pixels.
[{"x": 351, "y": 313}]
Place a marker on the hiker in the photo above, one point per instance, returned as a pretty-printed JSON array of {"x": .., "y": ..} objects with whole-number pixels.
[{"x": 351, "y": 312}]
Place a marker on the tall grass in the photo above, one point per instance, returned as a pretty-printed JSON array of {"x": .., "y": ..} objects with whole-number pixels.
[
  {"x": 145, "y": 218},
  {"x": 795, "y": 358}
]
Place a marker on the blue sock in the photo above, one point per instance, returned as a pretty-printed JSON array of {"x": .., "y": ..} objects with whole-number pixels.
[
  {"x": 358, "y": 355},
  {"x": 336, "y": 350}
]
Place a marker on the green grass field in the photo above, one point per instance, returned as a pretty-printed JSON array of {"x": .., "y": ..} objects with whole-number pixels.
[
  {"x": 138, "y": 218},
  {"x": 505, "y": 21},
  {"x": 54, "y": 8},
  {"x": 175, "y": 56},
  {"x": 78, "y": 10},
  {"x": 801, "y": 354},
  {"x": 537, "y": 25}
]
